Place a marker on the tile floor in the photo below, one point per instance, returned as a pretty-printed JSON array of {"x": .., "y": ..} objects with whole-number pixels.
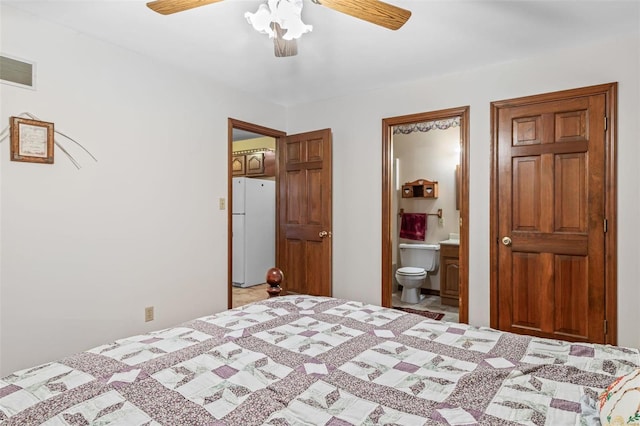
[
  {"x": 429, "y": 303},
  {"x": 242, "y": 296}
]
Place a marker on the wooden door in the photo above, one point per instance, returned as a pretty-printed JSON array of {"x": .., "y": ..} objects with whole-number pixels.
[
  {"x": 551, "y": 183},
  {"x": 304, "y": 241}
]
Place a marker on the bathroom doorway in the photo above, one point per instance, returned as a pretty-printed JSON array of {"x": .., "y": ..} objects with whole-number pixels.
[{"x": 428, "y": 151}]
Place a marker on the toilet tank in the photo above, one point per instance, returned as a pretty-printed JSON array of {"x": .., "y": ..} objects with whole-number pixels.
[{"x": 424, "y": 256}]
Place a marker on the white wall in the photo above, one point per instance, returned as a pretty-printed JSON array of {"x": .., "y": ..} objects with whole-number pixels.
[
  {"x": 356, "y": 123},
  {"x": 85, "y": 251}
]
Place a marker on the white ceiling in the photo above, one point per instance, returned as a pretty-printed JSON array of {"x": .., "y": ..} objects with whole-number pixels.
[{"x": 342, "y": 54}]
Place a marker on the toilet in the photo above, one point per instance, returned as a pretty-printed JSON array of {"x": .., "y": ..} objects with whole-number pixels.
[{"x": 416, "y": 261}]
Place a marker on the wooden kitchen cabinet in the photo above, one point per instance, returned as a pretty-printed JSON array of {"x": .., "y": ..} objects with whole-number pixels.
[
  {"x": 254, "y": 164},
  {"x": 269, "y": 163},
  {"x": 238, "y": 165},
  {"x": 449, "y": 274}
]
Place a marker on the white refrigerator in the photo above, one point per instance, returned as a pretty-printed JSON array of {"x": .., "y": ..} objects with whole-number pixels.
[{"x": 254, "y": 230}]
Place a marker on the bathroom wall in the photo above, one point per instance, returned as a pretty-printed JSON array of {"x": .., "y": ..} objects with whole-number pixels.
[{"x": 431, "y": 155}]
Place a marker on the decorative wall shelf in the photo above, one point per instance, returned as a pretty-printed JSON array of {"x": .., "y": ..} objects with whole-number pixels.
[{"x": 421, "y": 188}]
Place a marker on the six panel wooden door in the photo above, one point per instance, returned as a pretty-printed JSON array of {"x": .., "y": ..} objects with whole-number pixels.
[
  {"x": 304, "y": 179},
  {"x": 551, "y": 217}
]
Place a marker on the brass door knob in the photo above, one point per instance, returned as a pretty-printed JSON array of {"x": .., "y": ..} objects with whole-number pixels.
[
  {"x": 506, "y": 241},
  {"x": 323, "y": 234}
]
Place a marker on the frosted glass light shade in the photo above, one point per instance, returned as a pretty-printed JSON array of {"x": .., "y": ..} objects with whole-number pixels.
[{"x": 285, "y": 13}]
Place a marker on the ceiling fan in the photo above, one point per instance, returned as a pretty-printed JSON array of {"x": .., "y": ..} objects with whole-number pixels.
[{"x": 286, "y": 31}]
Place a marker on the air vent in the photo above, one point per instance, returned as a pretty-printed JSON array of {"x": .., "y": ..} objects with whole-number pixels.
[{"x": 17, "y": 72}]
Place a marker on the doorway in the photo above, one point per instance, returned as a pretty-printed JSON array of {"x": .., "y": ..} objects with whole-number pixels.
[
  {"x": 451, "y": 274},
  {"x": 300, "y": 167},
  {"x": 252, "y": 242}
]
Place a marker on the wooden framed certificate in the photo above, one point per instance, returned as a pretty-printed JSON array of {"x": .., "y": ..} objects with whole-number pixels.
[{"x": 31, "y": 140}]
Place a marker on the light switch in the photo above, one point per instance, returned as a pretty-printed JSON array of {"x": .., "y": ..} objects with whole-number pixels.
[
  {"x": 148, "y": 314},
  {"x": 222, "y": 203}
]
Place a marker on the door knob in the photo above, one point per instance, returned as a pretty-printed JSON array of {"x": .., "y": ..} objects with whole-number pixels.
[
  {"x": 506, "y": 241},
  {"x": 323, "y": 234}
]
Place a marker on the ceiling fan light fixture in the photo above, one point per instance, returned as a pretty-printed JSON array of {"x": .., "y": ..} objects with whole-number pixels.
[
  {"x": 281, "y": 19},
  {"x": 285, "y": 13},
  {"x": 281, "y": 47}
]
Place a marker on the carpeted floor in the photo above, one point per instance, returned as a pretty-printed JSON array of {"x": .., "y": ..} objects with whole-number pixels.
[{"x": 428, "y": 314}]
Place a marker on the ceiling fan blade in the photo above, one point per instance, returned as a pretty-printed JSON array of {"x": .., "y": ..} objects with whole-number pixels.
[
  {"x": 167, "y": 7},
  {"x": 281, "y": 47},
  {"x": 374, "y": 11}
]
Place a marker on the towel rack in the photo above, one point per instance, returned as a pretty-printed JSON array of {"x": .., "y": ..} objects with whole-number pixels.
[{"x": 439, "y": 214}]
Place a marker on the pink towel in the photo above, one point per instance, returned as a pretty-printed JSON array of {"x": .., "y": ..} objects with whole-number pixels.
[{"x": 413, "y": 226}]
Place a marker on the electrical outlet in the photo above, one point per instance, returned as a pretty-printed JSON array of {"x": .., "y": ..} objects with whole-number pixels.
[
  {"x": 148, "y": 314},
  {"x": 221, "y": 202}
]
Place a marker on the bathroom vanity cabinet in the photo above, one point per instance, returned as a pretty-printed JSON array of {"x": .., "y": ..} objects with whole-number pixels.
[{"x": 449, "y": 274}]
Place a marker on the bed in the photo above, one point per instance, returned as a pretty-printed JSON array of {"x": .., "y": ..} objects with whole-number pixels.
[{"x": 304, "y": 360}]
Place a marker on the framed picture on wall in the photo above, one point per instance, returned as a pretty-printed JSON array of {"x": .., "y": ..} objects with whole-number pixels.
[{"x": 31, "y": 140}]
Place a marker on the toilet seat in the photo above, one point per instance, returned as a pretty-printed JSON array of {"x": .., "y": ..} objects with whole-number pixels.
[{"x": 411, "y": 271}]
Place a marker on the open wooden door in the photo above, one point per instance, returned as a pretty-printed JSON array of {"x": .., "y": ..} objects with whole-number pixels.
[
  {"x": 304, "y": 240},
  {"x": 553, "y": 215}
]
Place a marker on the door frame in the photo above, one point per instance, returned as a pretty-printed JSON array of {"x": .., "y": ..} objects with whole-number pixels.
[
  {"x": 387, "y": 193},
  {"x": 233, "y": 123},
  {"x": 609, "y": 90}
]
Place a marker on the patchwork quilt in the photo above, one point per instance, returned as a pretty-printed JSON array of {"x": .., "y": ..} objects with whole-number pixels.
[{"x": 302, "y": 360}]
